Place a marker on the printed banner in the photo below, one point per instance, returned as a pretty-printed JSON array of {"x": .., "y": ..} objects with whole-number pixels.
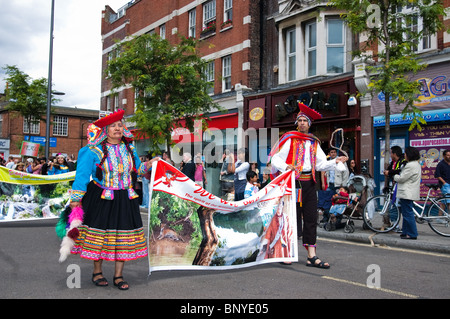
[
  {"x": 17, "y": 177},
  {"x": 190, "y": 228},
  {"x": 26, "y": 196}
]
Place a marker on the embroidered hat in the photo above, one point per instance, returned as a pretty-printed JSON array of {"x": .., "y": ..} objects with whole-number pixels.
[
  {"x": 109, "y": 119},
  {"x": 307, "y": 112},
  {"x": 97, "y": 131}
]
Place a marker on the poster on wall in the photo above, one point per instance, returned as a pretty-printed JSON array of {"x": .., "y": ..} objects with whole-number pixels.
[
  {"x": 431, "y": 142},
  {"x": 190, "y": 228}
]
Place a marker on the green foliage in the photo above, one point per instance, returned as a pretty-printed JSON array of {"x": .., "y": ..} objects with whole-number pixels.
[
  {"x": 383, "y": 24},
  {"x": 26, "y": 96},
  {"x": 169, "y": 82}
]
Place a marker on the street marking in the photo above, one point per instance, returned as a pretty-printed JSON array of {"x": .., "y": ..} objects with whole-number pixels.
[{"x": 365, "y": 286}]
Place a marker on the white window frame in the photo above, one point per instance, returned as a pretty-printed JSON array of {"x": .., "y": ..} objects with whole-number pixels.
[
  {"x": 291, "y": 54},
  {"x": 227, "y": 10},
  {"x": 428, "y": 42},
  {"x": 226, "y": 73},
  {"x": 162, "y": 31},
  {"x": 192, "y": 23},
  {"x": 309, "y": 49},
  {"x": 35, "y": 126},
  {"x": 210, "y": 75},
  {"x": 209, "y": 12},
  {"x": 335, "y": 45},
  {"x": 60, "y": 125}
]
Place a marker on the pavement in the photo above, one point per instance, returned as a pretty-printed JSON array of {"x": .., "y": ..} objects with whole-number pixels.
[{"x": 427, "y": 239}]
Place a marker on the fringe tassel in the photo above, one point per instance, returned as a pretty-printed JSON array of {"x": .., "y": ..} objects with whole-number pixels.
[{"x": 75, "y": 220}]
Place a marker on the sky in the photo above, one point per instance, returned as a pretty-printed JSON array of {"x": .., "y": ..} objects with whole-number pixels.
[{"x": 77, "y": 46}]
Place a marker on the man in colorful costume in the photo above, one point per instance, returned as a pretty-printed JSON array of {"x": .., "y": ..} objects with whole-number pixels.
[{"x": 301, "y": 152}]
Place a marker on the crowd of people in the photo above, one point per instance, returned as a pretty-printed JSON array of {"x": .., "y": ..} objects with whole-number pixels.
[{"x": 53, "y": 166}]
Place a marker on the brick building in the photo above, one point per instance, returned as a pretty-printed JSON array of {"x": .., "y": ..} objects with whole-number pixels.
[
  {"x": 67, "y": 131},
  {"x": 231, "y": 33}
]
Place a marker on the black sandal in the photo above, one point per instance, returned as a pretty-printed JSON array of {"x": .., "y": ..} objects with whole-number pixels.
[
  {"x": 121, "y": 284},
  {"x": 99, "y": 281},
  {"x": 318, "y": 265}
]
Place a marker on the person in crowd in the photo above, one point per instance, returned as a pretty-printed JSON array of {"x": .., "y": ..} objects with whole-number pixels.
[
  {"x": 240, "y": 169},
  {"x": 29, "y": 165},
  {"x": 352, "y": 170},
  {"x": 226, "y": 178},
  {"x": 20, "y": 167},
  {"x": 188, "y": 168},
  {"x": 37, "y": 168},
  {"x": 252, "y": 186},
  {"x": 408, "y": 190},
  {"x": 200, "y": 173},
  {"x": 300, "y": 151},
  {"x": 166, "y": 157},
  {"x": 46, "y": 165},
  {"x": 396, "y": 164},
  {"x": 442, "y": 173},
  {"x": 145, "y": 184},
  {"x": 11, "y": 163},
  {"x": 60, "y": 167},
  {"x": 266, "y": 177},
  {"x": 112, "y": 227}
]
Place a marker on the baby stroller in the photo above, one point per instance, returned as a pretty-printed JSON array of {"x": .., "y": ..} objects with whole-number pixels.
[{"x": 360, "y": 189}]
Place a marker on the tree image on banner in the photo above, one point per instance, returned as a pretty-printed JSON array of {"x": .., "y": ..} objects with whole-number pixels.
[{"x": 190, "y": 227}]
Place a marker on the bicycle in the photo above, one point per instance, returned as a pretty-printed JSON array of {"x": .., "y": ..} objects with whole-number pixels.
[{"x": 381, "y": 215}]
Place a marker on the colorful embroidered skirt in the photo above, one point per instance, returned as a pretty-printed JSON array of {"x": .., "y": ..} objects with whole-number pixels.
[{"x": 112, "y": 229}]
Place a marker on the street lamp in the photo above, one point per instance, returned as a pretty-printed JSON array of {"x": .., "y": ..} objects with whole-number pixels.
[{"x": 49, "y": 84}]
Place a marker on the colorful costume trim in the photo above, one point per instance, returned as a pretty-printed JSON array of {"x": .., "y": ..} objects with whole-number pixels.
[{"x": 110, "y": 244}]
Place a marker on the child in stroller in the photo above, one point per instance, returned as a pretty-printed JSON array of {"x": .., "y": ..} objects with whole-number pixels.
[{"x": 340, "y": 201}]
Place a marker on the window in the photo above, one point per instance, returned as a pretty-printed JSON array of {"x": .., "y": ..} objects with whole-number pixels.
[
  {"x": 311, "y": 49},
  {"x": 413, "y": 23},
  {"x": 228, "y": 10},
  {"x": 60, "y": 124},
  {"x": 209, "y": 13},
  {"x": 34, "y": 126},
  {"x": 226, "y": 73},
  {"x": 162, "y": 31},
  {"x": 209, "y": 72},
  {"x": 116, "y": 102},
  {"x": 335, "y": 46},
  {"x": 108, "y": 103},
  {"x": 291, "y": 54},
  {"x": 192, "y": 18}
]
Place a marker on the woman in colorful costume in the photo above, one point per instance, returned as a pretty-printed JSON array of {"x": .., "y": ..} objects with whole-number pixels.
[
  {"x": 111, "y": 227},
  {"x": 301, "y": 152}
]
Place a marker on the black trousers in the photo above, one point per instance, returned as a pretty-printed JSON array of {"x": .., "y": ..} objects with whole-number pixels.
[{"x": 307, "y": 212}]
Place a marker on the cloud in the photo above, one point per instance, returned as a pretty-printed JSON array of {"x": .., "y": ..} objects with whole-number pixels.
[{"x": 77, "y": 47}]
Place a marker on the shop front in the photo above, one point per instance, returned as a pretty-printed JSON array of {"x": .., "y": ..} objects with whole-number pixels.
[
  {"x": 432, "y": 140},
  {"x": 271, "y": 114}
]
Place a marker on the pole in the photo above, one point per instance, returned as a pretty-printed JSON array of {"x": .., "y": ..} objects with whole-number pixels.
[{"x": 49, "y": 88}]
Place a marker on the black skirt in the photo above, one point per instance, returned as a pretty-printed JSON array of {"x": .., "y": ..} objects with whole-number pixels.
[{"x": 111, "y": 229}]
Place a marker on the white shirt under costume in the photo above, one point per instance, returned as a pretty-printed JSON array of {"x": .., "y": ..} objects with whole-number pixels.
[{"x": 322, "y": 164}]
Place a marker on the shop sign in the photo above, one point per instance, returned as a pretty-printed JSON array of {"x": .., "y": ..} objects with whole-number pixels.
[{"x": 434, "y": 91}]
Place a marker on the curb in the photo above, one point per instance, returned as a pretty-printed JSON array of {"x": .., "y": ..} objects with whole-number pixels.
[{"x": 380, "y": 239}]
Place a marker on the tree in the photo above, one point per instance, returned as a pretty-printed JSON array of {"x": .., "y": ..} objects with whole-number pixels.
[
  {"x": 169, "y": 82},
  {"x": 26, "y": 96},
  {"x": 395, "y": 31}
]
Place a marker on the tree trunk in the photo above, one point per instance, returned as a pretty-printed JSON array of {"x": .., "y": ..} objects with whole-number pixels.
[{"x": 210, "y": 240}]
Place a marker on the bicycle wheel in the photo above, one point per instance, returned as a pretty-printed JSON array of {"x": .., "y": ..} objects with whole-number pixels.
[
  {"x": 380, "y": 215},
  {"x": 438, "y": 217}
]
